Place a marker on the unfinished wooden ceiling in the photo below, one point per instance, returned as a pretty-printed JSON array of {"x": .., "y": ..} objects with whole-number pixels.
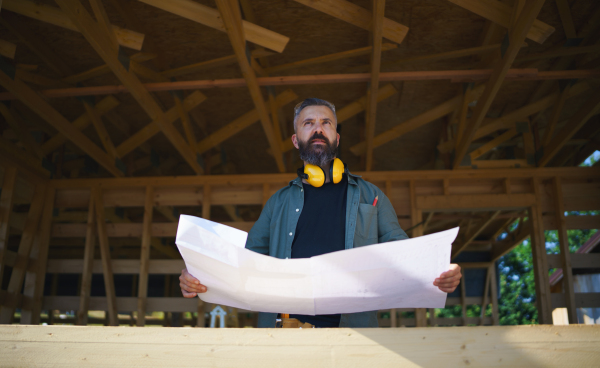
[{"x": 424, "y": 120}]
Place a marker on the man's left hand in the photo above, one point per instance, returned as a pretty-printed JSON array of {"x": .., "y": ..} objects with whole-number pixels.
[{"x": 449, "y": 280}]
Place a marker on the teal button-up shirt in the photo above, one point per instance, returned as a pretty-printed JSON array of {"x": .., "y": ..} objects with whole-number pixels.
[{"x": 366, "y": 224}]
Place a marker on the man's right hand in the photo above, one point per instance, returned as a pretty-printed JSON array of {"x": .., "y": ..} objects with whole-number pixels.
[{"x": 190, "y": 286}]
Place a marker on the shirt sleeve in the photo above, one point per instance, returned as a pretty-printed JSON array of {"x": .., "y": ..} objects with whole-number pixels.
[
  {"x": 387, "y": 221},
  {"x": 259, "y": 236}
]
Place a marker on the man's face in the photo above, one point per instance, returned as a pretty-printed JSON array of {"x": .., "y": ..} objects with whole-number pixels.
[{"x": 316, "y": 135}]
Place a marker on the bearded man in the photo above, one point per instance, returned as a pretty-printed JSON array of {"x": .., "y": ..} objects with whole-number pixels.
[{"x": 302, "y": 220}]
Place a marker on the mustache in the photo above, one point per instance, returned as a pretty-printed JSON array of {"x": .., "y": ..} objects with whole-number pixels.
[{"x": 318, "y": 136}]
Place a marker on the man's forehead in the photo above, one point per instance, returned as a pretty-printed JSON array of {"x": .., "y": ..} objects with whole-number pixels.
[{"x": 314, "y": 112}]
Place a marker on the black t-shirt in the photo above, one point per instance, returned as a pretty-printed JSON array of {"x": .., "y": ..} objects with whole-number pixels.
[{"x": 321, "y": 229}]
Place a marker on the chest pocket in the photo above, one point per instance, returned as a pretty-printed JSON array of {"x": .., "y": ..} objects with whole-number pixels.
[{"x": 366, "y": 225}]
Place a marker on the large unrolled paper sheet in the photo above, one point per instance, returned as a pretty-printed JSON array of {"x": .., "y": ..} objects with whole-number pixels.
[{"x": 397, "y": 274}]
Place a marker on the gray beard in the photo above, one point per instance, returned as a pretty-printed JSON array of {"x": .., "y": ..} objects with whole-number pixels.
[{"x": 317, "y": 155}]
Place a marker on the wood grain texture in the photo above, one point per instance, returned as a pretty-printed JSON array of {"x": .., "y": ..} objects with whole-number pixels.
[{"x": 549, "y": 346}]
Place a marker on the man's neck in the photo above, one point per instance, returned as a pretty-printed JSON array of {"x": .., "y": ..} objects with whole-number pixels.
[{"x": 325, "y": 169}]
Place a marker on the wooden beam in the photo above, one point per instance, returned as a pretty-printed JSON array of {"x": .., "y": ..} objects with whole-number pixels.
[
  {"x": 509, "y": 134},
  {"x": 500, "y": 14},
  {"x": 567, "y": 20},
  {"x": 147, "y": 132},
  {"x": 101, "y": 43},
  {"x": 145, "y": 257},
  {"x": 210, "y": 17},
  {"x": 328, "y": 58},
  {"x": 34, "y": 43},
  {"x": 53, "y": 15},
  {"x": 101, "y": 130},
  {"x": 230, "y": 13},
  {"x": 475, "y": 201},
  {"x": 357, "y": 16},
  {"x": 34, "y": 280},
  {"x": 554, "y": 116},
  {"x": 540, "y": 262},
  {"x": 83, "y": 121},
  {"x": 88, "y": 263},
  {"x": 377, "y": 32},
  {"x": 494, "y": 293},
  {"x": 591, "y": 107},
  {"x": 565, "y": 252},
  {"x": 36, "y": 103},
  {"x": 109, "y": 283},
  {"x": 7, "y": 196},
  {"x": 544, "y": 345},
  {"x": 20, "y": 128},
  {"x": 104, "y": 22},
  {"x": 210, "y": 64},
  {"x": 516, "y": 37},
  {"x": 557, "y": 53},
  {"x": 455, "y": 76},
  {"x": 416, "y": 122},
  {"x": 242, "y": 123},
  {"x": 17, "y": 275},
  {"x": 475, "y": 233},
  {"x": 8, "y": 49},
  {"x": 515, "y": 238}
]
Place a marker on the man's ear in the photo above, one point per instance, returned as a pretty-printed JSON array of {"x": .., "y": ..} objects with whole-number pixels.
[{"x": 295, "y": 141}]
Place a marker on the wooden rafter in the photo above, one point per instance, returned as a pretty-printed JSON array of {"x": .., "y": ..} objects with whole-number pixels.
[
  {"x": 474, "y": 233},
  {"x": 501, "y": 14},
  {"x": 565, "y": 16},
  {"x": 54, "y": 118},
  {"x": 373, "y": 89},
  {"x": 328, "y": 58},
  {"x": 241, "y": 123},
  {"x": 516, "y": 37},
  {"x": 357, "y": 16},
  {"x": 210, "y": 17},
  {"x": 101, "y": 43},
  {"x": 591, "y": 107},
  {"x": 455, "y": 76},
  {"x": 53, "y": 15},
  {"x": 230, "y": 13},
  {"x": 84, "y": 120},
  {"x": 411, "y": 124}
]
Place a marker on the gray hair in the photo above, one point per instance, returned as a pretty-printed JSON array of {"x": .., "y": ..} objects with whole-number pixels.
[{"x": 312, "y": 102}]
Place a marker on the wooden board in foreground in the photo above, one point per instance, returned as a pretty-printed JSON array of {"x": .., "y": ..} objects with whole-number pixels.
[{"x": 61, "y": 346}]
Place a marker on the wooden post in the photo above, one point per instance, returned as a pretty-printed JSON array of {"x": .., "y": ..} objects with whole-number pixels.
[
  {"x": 494, "y": 292},
  {"x": 486, "y": 292},
  {"x": 565, "y": 255},
  {"x": 6, "y": 204},
  {"x": 540, "y": 262},
  {"x": 463, "y": 300},
  {"x": 145, "y": 256},
  {"x": 393, "y": 311},
  {"x": 34, "y": 281},
  {"x": 201, "y": 321},
  {"x": 88, "y": 263},
  {"x": 109, "y": 284},
  {"x": 416, "y": 216},
  {"x": 17, "y": 276}
]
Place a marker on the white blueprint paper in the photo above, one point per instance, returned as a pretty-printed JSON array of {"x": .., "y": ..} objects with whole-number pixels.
[{"x": 397, "y": 274}]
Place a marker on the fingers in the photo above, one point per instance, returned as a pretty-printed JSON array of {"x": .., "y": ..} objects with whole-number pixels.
[{"x": 190, "y": 285}]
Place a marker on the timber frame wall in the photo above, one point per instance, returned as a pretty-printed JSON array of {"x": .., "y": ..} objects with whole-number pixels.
[{"x": 542, "y": 193}]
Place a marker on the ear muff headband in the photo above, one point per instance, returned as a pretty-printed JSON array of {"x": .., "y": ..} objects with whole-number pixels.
[{"x": 316, "y": 176}]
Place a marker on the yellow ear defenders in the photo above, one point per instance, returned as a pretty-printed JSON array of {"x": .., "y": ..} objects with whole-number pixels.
[{"x": 316, "y": 176}]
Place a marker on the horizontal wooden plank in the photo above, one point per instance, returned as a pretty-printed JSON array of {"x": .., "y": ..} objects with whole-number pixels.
[
  {"x": 578, "y": 260},
  {"x": 478, "y": 201},
  {"x": 574, "y": 173},
  {"x": 119, "y": 266},
  {"x": 582, "y": 300},
  {"x": 124, "y": 304},
  {"x": 548, "y": 346},
  {"x": 573, "y": 222},
  {"x": 131, "y": 230}
]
